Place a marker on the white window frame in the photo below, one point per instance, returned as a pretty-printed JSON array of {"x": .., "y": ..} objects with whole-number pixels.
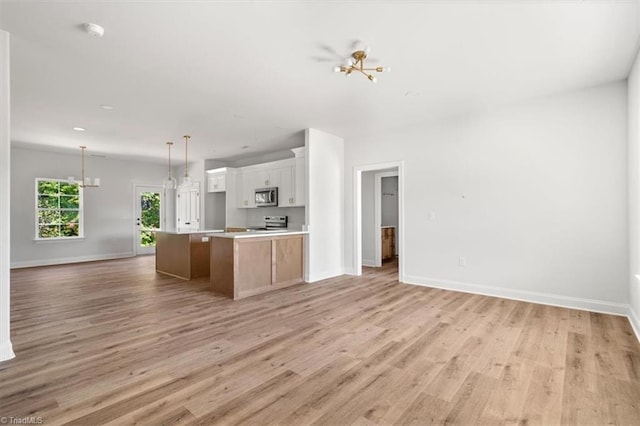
[{"x": 80, "y": 212}]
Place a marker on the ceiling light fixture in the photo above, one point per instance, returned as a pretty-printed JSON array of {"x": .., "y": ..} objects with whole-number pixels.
[
  {"x": 85, "y": 181},
  {"x": 94, "y": 29},
  {"x": 356, "y": 63},
  {"x": 170, "y": 181},
  {"x": 107, "y": 107},
  {"x": 79, "y": 129},
  {"x": 186, "y": 178}
]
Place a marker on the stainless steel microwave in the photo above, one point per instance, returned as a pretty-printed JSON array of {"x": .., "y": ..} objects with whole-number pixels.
[{"x": 266, "y": 197}]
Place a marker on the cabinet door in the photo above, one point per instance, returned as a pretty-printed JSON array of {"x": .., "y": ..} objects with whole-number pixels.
[
  {"x": 216, "y": 182},
  {"x": 286, "y": 190},
  {"x": 247, "y": 189},
  {"x": 300, "y": 182},
  {"x": 267, "y": 178}
]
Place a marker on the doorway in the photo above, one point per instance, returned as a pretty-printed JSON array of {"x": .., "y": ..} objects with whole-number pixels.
[
  {"x": 148, "y": 210},
  {"x": 385, "y": 225},
  {"x": 367, "y": 218}
]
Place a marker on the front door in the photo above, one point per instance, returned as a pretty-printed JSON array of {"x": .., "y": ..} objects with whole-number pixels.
[{"x": 147, "y": 218}]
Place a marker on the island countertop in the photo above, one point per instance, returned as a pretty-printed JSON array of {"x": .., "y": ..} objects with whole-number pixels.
[
  {"x": 261, "y": 233},
  {"x": 205, "y": 231}
]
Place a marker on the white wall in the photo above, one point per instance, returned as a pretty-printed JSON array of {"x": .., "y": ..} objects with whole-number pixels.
[
  {"x": 6, "y": 350},
  {"x": 389, "y": 201},
  {"x": 108, "y": 210},
  {"x": 324, "y": 159},
  {"x": 215, "y": 210},
  {"x": 634, "y": 192},
  {"x": 368, "y": 219},
  {"x": 389, "y": 204},
  {"x": 532, "y": 195}
]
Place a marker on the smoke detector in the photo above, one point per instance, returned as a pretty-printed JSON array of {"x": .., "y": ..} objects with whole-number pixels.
[{"x": 94, "y": 29}]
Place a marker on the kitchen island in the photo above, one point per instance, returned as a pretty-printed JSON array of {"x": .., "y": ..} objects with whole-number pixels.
[
  {"x": 247, "y": 263},
  {"x": 183, "y": 254}
]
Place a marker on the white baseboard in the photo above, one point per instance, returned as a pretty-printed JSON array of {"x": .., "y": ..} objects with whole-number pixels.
[
  {"x": 324, "y": 275},
  {"x": 525, "y": 296},
  {"x": 369, "y": 262},
  {"x": 6, "y": 351},
  {"x": 64, "y": 260},
  {"x": 635, "y": 322}
]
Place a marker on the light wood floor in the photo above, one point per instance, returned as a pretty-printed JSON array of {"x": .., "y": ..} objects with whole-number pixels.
[{"x": 113, "y": 342}]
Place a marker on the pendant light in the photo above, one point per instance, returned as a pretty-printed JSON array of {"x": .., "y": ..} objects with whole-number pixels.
[
  {"x": 85, "y": 181},
  {"x": 187, "y": 178},
  {"x": 170, "y": 181}
]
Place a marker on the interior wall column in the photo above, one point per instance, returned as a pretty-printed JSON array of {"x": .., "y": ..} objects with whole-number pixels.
[{"x": 6, "y": 350}]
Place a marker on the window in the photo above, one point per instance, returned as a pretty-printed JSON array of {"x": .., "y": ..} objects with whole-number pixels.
[{"x": 58, "y": 209}]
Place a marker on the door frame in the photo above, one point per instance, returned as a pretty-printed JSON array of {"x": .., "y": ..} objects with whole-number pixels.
[
  {"x": 377, "y": 217},
  {"x": 144, "y": 188},
  {"x": 357, "y": 214}
]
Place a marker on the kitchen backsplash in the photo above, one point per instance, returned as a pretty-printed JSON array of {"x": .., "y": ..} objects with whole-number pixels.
[{"x": 255, "y": 217}]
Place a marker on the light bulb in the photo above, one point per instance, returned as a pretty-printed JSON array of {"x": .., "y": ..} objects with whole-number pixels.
[
  {"x": 96, "y": 181},
  {"x": 336, "y": 69},
  {"x": 372, "y": 78},
  {"x": 387, "y": 69},
  {"x": 367, "y": 50},
  {"x": 348, "y": 73}
]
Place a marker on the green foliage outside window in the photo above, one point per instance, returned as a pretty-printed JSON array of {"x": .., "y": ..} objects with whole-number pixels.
[
  {"x": 150, "y": 219},
  {"x": 58, "y": 209}
]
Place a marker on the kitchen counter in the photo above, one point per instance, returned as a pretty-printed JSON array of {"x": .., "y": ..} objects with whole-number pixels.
[
  {"x": 206, "y": 231},
  {"x": 260, "y": 233},
  {"x": 247, "y": 263},
  {"x": 184, "y": 254}
]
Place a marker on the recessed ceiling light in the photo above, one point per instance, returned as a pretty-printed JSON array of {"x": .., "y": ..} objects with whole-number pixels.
[
  {"x": 79, "y": 129},
  {"x": 244, "y": 147},
  {"x": 108, "y": 107}
]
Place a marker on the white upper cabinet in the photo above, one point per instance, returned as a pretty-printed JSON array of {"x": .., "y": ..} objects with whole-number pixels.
[
  {"x": 287, "y": 190},
  {"x": 300, "y": 178},
  {"x": 246, "y": 188},
  {"x": 268, "y": 178},
  {"x": 287, "y": 175},
  {"x": 217, "y": 180}
]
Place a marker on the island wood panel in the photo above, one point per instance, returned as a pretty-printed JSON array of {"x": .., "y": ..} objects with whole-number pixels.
[
  {"x": 200, "y": 255},
  {"x": 184, "y": 256},
  {"x": 257, "y": 265},
  {"x": 288, "y": 260},
  {"x": 172, "y": 254},
  {"x": 252, "y": 265},
  {"x": 221, "y": 270}
]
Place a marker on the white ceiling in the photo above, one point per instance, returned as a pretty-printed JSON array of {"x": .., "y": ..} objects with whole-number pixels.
[{"x": 256, "y": 73}]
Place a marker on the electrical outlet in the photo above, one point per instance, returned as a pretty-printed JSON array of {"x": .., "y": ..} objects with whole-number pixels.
[{"x": 462, "y": 261}]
